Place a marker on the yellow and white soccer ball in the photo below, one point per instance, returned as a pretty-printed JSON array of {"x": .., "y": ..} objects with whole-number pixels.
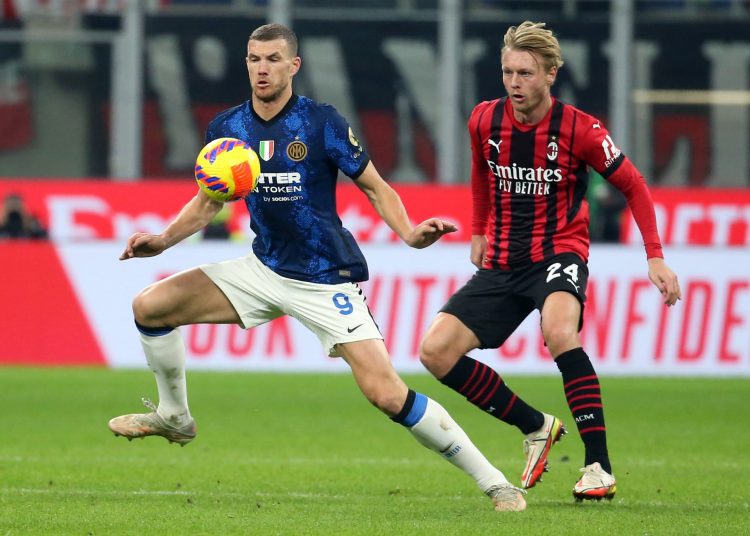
[{"x": 227, "y": 169}]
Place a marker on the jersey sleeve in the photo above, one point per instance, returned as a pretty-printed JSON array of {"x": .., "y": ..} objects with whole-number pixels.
[
  {"x": 479, "y": 188},
  {"x": 343, "y": 147},
  {"x": 211, "y": 133},
  {"x": 605, "y": 157}
]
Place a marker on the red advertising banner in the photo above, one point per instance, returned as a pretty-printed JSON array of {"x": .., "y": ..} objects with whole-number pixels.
[
  {"x": 43, "y": 320},
  {"x": 83, "y": 210},
  {"x": 698, "y": 216}
]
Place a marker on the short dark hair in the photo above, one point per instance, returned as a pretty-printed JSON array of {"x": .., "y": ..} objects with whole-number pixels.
[{"x": 271, "y": 32}]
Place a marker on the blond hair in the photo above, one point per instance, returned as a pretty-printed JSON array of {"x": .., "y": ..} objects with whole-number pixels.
[{"x": 532, "y": 37}]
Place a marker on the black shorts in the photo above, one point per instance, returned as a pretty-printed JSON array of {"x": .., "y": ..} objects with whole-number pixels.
[{"x": 495, "y": 302}]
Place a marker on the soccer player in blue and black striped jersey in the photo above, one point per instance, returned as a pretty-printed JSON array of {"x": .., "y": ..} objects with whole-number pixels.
[{"x": 303, "y": 263}]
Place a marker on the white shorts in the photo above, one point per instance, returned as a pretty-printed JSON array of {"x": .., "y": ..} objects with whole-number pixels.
[{"x": 334, "y": 313}]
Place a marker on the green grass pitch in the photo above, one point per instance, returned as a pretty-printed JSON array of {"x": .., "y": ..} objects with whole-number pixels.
[{"x": 303, "y": 454}]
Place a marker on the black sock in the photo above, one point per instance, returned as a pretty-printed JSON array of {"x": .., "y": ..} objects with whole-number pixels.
[
  {"x": 583, "y": 393},
  {"x": 484, "y": 388}
]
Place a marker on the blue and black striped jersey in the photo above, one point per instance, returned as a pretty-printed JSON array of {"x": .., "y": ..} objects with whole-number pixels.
[{"x": 293, "y": 214}]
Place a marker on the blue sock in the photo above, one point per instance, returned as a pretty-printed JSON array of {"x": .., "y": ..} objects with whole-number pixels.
[
  {"x": 153, "y": 332},
  {"x": 413, "y": 410}
]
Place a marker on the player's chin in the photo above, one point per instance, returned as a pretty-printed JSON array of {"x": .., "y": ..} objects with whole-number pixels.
[{"x": 266, "y": 94}]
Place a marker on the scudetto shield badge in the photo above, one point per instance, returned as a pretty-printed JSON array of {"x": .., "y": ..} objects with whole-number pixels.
[{"x": 265, "y": 149}]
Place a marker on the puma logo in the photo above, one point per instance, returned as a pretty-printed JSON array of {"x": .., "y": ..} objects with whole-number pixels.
[
  {"x": 578, "y": 289},
  {"x": 495, "y": 144}
]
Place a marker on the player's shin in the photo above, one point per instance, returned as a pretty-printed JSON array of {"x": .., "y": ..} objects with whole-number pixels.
[
  {"x": 484, "y": 388},
  {"x": 165, "y": 354},
  {"x": 583, "y": 393},
  {"x": 432, "y": 426}
]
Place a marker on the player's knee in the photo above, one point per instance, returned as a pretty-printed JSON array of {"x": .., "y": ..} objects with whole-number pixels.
[
  {"x": 388, "y": 403},
  {"x": 560, "y": 337},
  {"x": 144, "y": 308},
  {"x": 432, "y": 353}
]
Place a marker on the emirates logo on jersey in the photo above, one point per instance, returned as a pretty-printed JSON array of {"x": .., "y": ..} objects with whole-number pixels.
[{"x": 552, "y": 150}]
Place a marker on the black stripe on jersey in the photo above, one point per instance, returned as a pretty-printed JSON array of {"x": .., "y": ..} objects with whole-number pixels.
[
  {"x": 614, "y": 166},
  {"x": 498, "y": 114},
  {"x": 579, "y": 191},
  {"x": 522, "y": 149},
  {"x": 550, "y": 225}
]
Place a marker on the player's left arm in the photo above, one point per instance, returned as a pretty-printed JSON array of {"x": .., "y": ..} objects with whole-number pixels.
[
  {"x": 389, "y": 206},
  {"x": 617, "y": 168},
  {"x": 630, "y": 182}
]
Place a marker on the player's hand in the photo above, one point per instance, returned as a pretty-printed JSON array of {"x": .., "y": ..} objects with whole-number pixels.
[
  {"x": 478, "y": 250},
  {"x": 143, "y": 245},
  {"x": 428, "y": 232},
  {"x": 665, "y": 280}
]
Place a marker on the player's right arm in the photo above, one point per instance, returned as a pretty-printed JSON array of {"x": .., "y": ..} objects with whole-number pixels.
[
  {"x": 194, "y": 216},
  {"x": 480, "y": 196},
  {"x": 478, "y": 250}
]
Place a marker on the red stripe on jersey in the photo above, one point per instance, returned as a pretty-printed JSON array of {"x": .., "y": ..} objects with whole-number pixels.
[
  {"x": 540, "y": 205},
  {"x": 502, "y": 224}
]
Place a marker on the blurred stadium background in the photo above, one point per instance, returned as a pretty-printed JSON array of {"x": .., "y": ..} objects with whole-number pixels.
[{"x": 103, "y": 106}]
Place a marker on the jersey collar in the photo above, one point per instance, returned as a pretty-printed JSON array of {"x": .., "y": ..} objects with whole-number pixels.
[
  {"x": 291, "y": 102},
  {"x": 523, "y": 127}
]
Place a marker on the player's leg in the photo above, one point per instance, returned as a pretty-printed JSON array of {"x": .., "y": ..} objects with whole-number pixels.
[
  {"x": 427, "y": 420},
  {"x": 189, "y": 297},
  {"x": 443, "y": 352},
  {"x": 339, "y": 316},
  {"x": 234, "y": 291},
  {"x": 483, "y": 314},
  {"x": 560, "y": 324},
  {"x": 186, "y": 298}
]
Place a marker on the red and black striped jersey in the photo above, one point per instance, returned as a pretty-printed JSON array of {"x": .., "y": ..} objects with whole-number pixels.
[{"x": 529, "y": 183}]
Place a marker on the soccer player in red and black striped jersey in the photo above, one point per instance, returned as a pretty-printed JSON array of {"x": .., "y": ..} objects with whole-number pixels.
[{"x": 531, "y": 156}]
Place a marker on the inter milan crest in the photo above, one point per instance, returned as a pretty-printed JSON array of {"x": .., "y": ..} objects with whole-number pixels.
[{"x": 296, "y": 150}]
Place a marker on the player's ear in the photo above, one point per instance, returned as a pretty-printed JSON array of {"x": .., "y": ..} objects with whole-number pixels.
[
  {"x": 296, "y": 64},
  {"x": 552, "y": 76}
]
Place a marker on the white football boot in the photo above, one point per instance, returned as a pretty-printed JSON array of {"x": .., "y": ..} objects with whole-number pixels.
[
  {"x": 596, "y": 484},
  {"x": 537, "y": 446},
  {"x": 507, "y": 498},
  {"x": 146, "y": 424}
]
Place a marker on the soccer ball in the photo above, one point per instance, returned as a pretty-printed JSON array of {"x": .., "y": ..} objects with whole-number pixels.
[{"x": 227, "y": 169}]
